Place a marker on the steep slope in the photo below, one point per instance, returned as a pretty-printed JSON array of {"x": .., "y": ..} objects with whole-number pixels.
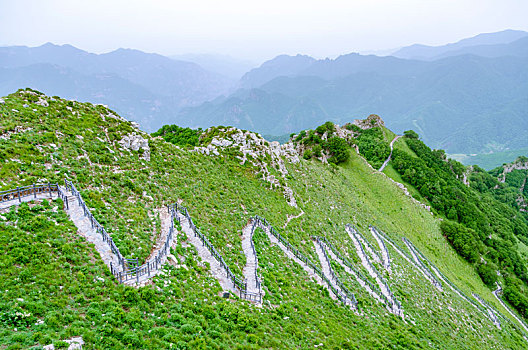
[
  {"x": 514, "y": 174},
  {"x": 125, "y": 176},
  {"x": 484, "y": 220}
]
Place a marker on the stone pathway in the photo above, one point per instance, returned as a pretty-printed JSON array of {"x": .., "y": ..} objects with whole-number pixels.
[
  {"x": 365, "y": 285},
  {"x": 421, "y": 266},
  {"x": 325, "y": 265},
  {"x": 408, "y": 259},
  {"x": 4, "y": 206},
  {"x": 85, "y": 229},
  {"x": 492, "y": 316},
  {"x": 496, "y": 294},
  {"x": 384, "y": 288},
  {"x": 384, "y": 252},
  {"x": 305, "y": 267},
  {"x": 390, "y": 155},
  {"x": 442, "y": 278},
  {"x": 368, "y": 247},
  {"x": 165, "y": 218},
  {"x": 250, "y": 270},
  {"x": 217, "y": 269}
]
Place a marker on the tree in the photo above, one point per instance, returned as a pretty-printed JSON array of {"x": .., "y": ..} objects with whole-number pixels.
[
  {"x": 411, "y": 134},
  {"x": 487, "y": 274},
  {"x": 338, "y": 149}
]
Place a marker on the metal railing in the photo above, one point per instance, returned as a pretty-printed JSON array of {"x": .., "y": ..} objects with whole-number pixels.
[
  {"x": 343, "y": 298},
  {"x": 128, "y": 271},
  {"x": 419, "y": 261},
  {"x": 135, "y": 272},
  {"x": 97, "y": 226},
  {"x": 34, "y": 190},
  {"x": 383, "y": 247},
  {"x": 356, "y": 271},
  {"x": 253, "y": 227},
  {"x": 349, "y": 295},
  {"x": 380, "y": 278},
  {"x": 357, "y": 234},
  {"x": 237, "y": 282}
]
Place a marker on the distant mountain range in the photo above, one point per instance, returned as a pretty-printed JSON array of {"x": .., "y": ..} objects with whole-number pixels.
[
  {"x": 469, "y": 97},
  {"x": 227, "y": 66},
  {"x": 475, "y": 102},
  {"x": 475, "y": 45},
  {"x": 148, "y": 88}
]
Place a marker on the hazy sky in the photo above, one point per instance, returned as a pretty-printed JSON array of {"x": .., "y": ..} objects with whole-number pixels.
[{"x": 254, "y": 30}]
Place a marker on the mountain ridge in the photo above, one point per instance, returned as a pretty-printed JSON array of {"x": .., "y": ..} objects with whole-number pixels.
[
  {"x": 419, "y": 51},
  {"x": 185, "y": 305}
]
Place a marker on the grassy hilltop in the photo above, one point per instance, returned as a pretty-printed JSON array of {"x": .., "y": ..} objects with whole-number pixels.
[{"x": 54, "y": 286}]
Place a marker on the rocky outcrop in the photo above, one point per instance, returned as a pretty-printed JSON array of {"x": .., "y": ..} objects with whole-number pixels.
[
  {"x": 372, "y": 121},
  {"x": 520, "y": 164},
  {"x": 136, "y": 142},
  {"x": 262, "y": 154}
]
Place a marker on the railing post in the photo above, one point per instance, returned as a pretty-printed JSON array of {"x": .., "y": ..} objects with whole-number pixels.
[
  {"x": 35, "y": 190},
  {"x": 18, "y": 191},
  {"x": 148, "y": 268},
  {"x": 137, "y": 275},
  {"x": 49, "y": 188}
]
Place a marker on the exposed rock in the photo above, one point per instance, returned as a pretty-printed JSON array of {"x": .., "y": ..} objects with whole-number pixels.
[
  {"x": 255, "y": 149},
  {"x": 466, "y": 174},
  {"x": 372, "y": 121},
  {"x": 221, "y": 143},
  {"x": 75, "y": 343},
  {"x": 2, "y": 101},
  {"x": 135, "y": 125},
  {"x": 339, "y": 131},
  {"x": 520, "y": 164},
  {"x": 135, "y": 143},
  {"x": 18, "y": 129},
  {"x": 112, "y": 115},
  {"x": 42, "y": 102}
]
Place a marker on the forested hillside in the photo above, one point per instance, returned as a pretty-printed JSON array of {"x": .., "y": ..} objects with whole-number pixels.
[{"x": 484, "y": 219}]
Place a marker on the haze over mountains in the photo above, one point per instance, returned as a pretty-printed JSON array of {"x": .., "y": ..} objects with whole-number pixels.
[
  {"x": 492, "y": 41},
  {"x": 474, "y": 102},
  {"x": 148, "y": 88},
  {"x": 467, "y": 97}
]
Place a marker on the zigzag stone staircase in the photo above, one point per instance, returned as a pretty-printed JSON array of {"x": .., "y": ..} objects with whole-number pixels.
[{"x": 250, "y": 287}]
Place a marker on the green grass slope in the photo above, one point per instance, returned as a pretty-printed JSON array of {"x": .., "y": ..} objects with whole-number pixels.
[{"x": 55, "y": 273}]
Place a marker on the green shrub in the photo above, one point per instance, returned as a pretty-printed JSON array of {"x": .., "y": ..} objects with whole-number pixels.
[
  {"x": 462, "y": 238},
  {"x": 339, "y": 150},
  {"x": 179, "y": 136},
  {"x": 487, "y": 273},
  {"x": 411, "y": 134}
]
